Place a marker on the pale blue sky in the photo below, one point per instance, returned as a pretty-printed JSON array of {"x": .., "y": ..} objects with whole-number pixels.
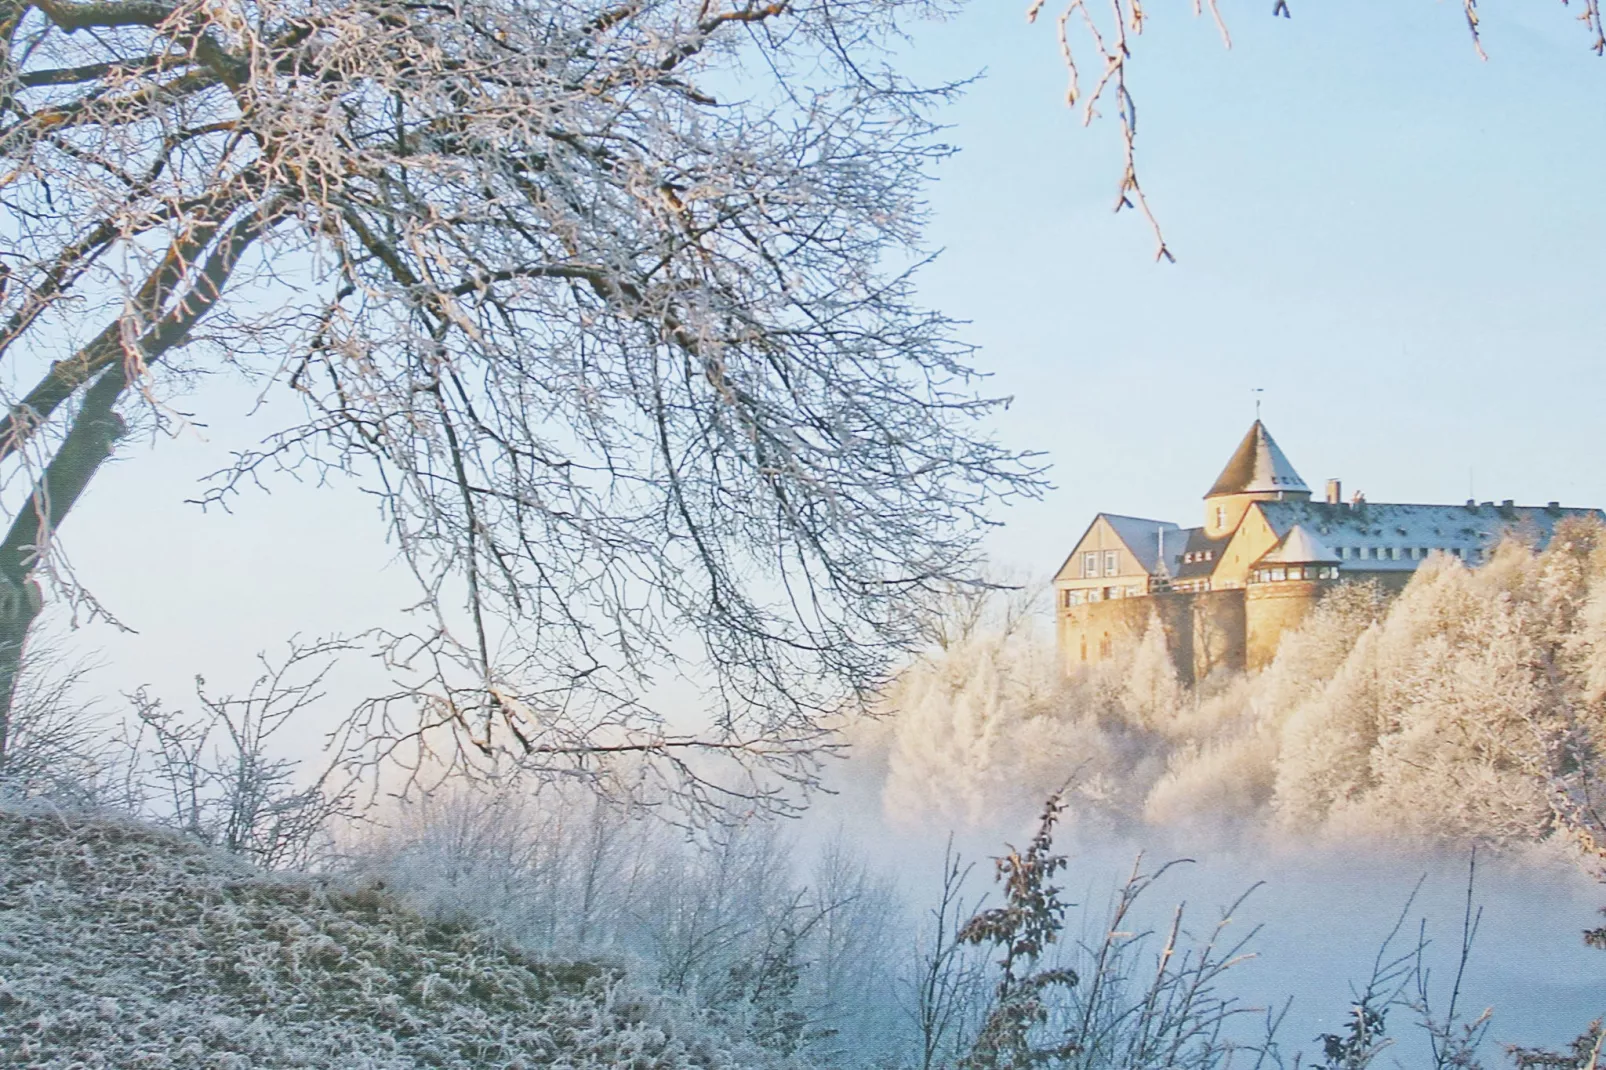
[{"x": 1401, "y": 244}]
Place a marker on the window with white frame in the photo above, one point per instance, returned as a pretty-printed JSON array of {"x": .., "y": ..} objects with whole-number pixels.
[
  {"x": 1112, "y": 562},
  {"x": 1090, "y": 564}
]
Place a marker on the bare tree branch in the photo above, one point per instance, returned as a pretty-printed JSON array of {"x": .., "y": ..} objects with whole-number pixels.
[{"x": 623, "y": 362}]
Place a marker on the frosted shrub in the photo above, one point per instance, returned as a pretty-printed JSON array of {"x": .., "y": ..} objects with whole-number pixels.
[
  {"x": 552, "y": 870},
  {"x": 1151, "y": 693},
  {"x": 792, "y": 954},
  {"x": 1219, "y": 782},
  {"x": 1310, "y": 655},
  {"x": 987, "y": 726},
  {"x": 1328, "y": 740},
  {"x": 1589, "y": 645},
  {"x": 54, "y": 743},
  {"x": 1103, "y": 1003}
]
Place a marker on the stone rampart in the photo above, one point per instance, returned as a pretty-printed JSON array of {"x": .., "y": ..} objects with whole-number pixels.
[{"x": 1204, "y": 631}]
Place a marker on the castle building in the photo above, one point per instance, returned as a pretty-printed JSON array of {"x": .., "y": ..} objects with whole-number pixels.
[{"x": 1266, "y": 554}]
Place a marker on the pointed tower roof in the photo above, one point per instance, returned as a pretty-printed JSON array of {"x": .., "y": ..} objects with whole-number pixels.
[
  {"x": 1257, "y": 466},
  {"x": 1300, "y": 547}
]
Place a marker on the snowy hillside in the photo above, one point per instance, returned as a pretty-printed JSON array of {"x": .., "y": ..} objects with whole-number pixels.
[{"x": 121, "y": 946}]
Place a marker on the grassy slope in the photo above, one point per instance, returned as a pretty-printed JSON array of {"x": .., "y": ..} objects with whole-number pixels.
[{"x": 125, "y": 947}]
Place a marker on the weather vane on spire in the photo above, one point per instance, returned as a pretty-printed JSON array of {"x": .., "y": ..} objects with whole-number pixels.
[{"x": 1255, "y": 392}]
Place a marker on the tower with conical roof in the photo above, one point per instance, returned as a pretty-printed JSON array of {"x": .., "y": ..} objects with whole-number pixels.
[{"x": 1258, "y": 471}]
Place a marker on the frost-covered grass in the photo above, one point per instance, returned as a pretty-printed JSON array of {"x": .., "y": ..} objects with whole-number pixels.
[{"x": 125, "y": 946}]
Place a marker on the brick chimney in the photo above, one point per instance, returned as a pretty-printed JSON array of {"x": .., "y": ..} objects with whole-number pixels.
[{"x": 1335, "y": 492}]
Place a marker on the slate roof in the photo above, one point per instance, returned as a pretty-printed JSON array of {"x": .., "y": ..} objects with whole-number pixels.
[
  {"x": 1258, "y": 465},
  {"x": 1198, "y": 544},
  {"x": 1300, "y": 547},
  {"x": 1142, "y": 537},
  {"x": 1368, "y": 526}
]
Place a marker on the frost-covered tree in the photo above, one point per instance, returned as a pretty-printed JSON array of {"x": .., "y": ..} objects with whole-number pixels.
[
  {"x": 1464, "y": 713},
  {"x": 1152, "y": 691},
  {"x": 609, "y": 302},
  {"x": 1326, "y": 753},
  {"x": 1470, "y": 707},
  {"x": 990, "y": 727}
]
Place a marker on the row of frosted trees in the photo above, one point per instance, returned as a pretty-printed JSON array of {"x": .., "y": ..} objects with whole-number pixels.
[{"x": 1470, "y": 707}]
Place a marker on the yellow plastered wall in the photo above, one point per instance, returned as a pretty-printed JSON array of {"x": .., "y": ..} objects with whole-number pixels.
[
  {"x": 1204, "y": 630},
  {"x": 1270, "y": 609},
  {"x": 1102, "y": 540},
  {"x": 1252, "y": 541}
]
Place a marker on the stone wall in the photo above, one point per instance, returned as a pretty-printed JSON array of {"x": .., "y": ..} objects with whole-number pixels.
[
  {"x": 1093, "y": 631},
  {"x": 1270, "y": 609},
  {"x": 1204, "y": 630},
  {"x": 1218, "y": 628}
]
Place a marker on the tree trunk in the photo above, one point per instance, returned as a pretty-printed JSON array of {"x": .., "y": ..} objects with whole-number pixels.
[
  {"x": 19, "y": 606},
  {"x": 90, "y": 440}
]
